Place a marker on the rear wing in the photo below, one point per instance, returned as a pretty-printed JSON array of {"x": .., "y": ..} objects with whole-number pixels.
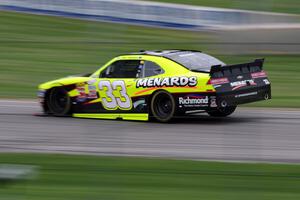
[{"x": 219, "y": 71}]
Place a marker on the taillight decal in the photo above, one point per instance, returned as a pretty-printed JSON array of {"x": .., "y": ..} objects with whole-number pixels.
[
  {"x": 261, "y": 74},
  {"x": 218, "y": 81}
]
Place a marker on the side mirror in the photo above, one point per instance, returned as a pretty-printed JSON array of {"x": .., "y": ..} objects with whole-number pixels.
[
  {"x": 158, "y": 71},
  {"x": 105, "y": 74},
  {"x": 108, "y": 75}
]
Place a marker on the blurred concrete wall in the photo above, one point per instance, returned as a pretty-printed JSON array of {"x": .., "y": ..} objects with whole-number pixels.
[
  {"x": 236, "y": 31},
  {"x": 153, "y": 13},
  {"x": 261, "y": 41}
]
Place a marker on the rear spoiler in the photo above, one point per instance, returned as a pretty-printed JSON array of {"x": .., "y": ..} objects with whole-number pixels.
[{"x": 218, "y": 71}]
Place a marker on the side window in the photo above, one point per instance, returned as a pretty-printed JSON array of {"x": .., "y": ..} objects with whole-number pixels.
[
  {"x": 151, "y": 69},
  {"x": 122, "y": 69}
]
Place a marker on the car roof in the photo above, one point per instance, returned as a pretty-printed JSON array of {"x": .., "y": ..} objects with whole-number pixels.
[{"x": 203, "y": 63}]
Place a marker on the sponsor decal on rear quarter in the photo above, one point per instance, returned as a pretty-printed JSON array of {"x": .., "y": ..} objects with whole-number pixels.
[{"x": 193, "y": 101}]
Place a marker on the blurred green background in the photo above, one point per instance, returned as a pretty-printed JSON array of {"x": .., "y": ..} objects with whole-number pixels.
[
  {"x": 284, "y": 6},
  {"x": 35, "y": 49},
  {"x": 63, "y": 177}
]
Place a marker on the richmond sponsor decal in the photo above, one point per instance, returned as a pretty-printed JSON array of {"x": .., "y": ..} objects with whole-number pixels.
[
  {"x": 167, "y": 82},
  {"x": 193, "y": 101}
]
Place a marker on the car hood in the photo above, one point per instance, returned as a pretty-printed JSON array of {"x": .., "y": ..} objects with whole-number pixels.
[{"x": 63, "y": 81}]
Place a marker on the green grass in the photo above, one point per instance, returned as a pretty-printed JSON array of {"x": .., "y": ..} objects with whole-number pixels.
[
  {"x": 283, "y": 6},
  {"x": 35, "y": 49},
  {"x": 63, "y": 177}
]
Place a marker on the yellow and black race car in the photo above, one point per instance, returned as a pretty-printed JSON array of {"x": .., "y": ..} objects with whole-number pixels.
[{"x": 159, "y": 85}]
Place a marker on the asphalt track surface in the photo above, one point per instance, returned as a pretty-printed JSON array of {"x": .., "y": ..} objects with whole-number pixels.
[{"x": 251, "y": 134}]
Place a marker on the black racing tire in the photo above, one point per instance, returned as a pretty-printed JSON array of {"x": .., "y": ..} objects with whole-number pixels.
[
  {"x": 221, "y": 112},
  {"x": 59, "y": 102},
  {"x": 163, "y": 106}
]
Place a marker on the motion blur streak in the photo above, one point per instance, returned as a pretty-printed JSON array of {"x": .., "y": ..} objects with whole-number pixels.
[
  {"x": 249, "y": 135},
  {"x": 155, "y": 14}
]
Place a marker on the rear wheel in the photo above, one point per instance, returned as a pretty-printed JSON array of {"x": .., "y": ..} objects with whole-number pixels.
[
  {"x": 222, "y": 112},
  {"x": 59, "y": 102},
  {"x": 163, "y": 106}
]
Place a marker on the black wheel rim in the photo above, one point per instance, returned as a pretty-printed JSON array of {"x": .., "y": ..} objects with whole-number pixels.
[
  {"x": 59, "y": 101},
  {"x": 163, "y": 106}
]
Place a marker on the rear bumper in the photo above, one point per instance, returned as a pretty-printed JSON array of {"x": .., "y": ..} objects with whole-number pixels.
[
  {"x": 207, "y": 101},
  {"x": 234, "y": 98}
]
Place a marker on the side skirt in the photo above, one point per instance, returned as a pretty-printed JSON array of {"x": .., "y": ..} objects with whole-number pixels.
[{"x": 124, "y": 116}]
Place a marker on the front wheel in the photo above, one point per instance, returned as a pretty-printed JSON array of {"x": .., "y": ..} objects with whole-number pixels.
[
  {"x": 163, "y": 106},
  {"x": 59, "y": 102},
  {"x": 222, "y": 112}
]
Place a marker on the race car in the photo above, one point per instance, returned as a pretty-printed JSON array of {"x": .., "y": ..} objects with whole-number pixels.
[{"x": 157, "y": 85}]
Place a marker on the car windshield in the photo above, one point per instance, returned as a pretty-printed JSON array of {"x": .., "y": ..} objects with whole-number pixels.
[{"x": 195, "y": 61}]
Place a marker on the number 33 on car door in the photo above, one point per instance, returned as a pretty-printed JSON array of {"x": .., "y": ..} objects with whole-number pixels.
[{"x": 114, "y": 95}]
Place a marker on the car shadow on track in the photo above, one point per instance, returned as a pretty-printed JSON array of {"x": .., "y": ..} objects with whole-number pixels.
[{"x": 204, "y": 119}]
